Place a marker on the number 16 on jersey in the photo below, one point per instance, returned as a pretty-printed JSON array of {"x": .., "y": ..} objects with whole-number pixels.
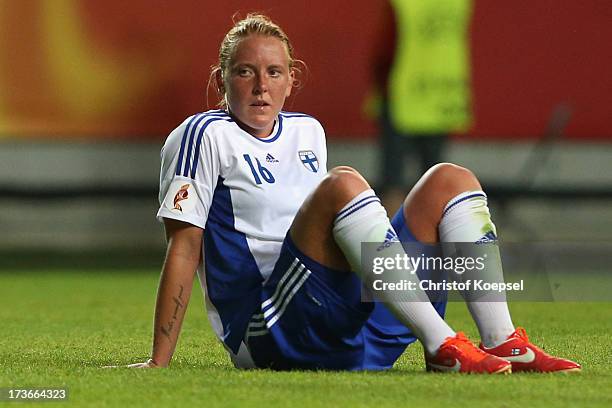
[{"x": 261, "y": 170}]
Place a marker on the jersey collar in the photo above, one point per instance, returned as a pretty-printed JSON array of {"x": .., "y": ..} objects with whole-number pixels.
[{"x": 276, "y": 131}]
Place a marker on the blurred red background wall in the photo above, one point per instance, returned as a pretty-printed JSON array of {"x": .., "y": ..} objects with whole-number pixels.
[{"x": 91, "y": 69}]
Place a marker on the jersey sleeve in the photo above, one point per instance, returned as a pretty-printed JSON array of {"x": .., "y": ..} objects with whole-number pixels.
[
  {"x": 323, "y": 141},
  {"x": 189, "y": 173}
]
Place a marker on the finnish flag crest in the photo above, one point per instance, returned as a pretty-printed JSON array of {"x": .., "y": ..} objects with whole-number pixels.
[{"x": 309, "y": 160}]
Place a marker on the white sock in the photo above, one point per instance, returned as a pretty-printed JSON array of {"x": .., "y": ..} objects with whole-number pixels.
[
  {"x": 364, "y": 219},
  {"x": 466, "y": 218}
]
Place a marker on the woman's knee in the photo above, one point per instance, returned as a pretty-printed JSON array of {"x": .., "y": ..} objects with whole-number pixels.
[
  {"x": 450, "y": 179},
  {"x": 311, "y": 230},
  {"x": 424, "y": 204},
  {"x": 341, "y": 184}
]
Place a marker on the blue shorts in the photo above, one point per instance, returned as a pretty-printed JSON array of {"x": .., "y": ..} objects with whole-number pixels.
[{"x": 312, "y": 317}]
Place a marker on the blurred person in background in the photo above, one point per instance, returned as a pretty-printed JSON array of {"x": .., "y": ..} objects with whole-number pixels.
[{"x": 422, "y": 76}]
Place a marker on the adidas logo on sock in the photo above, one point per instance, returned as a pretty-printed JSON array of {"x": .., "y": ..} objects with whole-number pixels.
[
  {"x": 271, "y": 159},
  {"x": 390, "y": 237},
  {"x": 488, "y": 237}
]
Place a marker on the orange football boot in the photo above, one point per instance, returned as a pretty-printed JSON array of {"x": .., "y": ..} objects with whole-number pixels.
[
  {"x": 525, "y": 356},
  {"x": 458, "y": 354}
]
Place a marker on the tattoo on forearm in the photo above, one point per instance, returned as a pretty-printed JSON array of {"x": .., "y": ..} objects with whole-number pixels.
[{"x": 179, "y": 303}]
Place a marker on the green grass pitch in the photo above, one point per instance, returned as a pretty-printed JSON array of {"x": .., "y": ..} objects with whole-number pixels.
[{"x": 59, "y": 327}]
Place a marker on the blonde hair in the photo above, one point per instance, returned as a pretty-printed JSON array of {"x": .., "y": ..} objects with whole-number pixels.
[{"x": 252, "y": 24}]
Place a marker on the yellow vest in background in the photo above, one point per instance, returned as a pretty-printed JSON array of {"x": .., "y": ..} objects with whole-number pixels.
[{"x": 429, "y": 83}]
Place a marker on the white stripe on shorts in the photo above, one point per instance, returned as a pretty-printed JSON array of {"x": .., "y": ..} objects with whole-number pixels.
[
  {"x": 288, "y": 273},
  {"x": 276, "y": 302},
  {"x": 287, "y": 287},
  {"x": 297, "y": 287},
  {"x": 257, "y": 320}
]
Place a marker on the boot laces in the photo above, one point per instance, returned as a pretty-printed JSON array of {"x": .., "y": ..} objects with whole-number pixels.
[{"x": 465, "y": 346}]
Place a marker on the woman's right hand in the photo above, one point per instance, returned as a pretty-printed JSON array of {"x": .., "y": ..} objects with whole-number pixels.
[{"x": 147, "y": 364}]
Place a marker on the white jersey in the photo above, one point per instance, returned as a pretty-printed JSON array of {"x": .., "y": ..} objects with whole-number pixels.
[{"x": 244, "y": 192}]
